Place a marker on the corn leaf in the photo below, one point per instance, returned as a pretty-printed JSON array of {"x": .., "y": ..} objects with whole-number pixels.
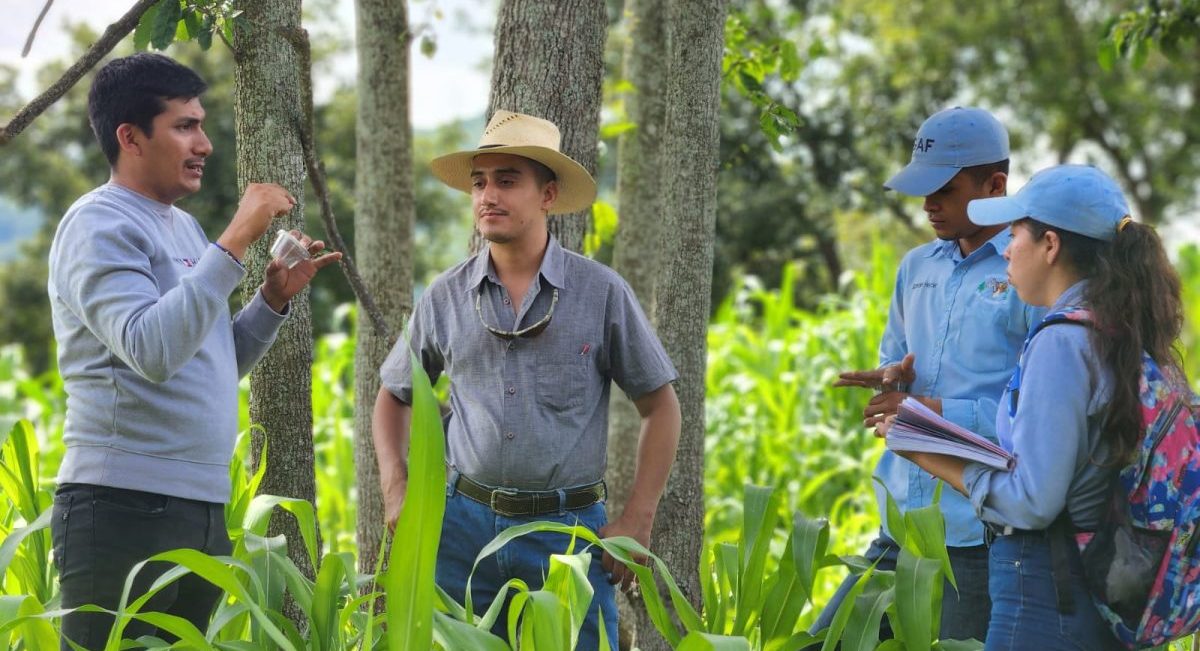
[
  {"x": 410, "y": 576},
  {"x": 698, "y": 641},
  {"x": 455, "y": 635},
  {"x": 918, "y": 591}
]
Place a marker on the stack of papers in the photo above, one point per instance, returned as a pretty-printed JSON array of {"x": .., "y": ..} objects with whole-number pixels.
[{"x": 918, "y": 428}]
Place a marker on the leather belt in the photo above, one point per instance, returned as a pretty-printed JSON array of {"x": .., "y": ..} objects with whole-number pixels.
[
  {"x": 992, "y": 531},
  {"x": 509, "y": 502}
]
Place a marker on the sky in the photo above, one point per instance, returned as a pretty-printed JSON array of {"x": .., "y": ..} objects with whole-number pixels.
[{"x": 450, "y": 85}]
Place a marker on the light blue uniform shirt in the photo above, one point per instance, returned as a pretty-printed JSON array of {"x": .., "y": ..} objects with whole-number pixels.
[
  {"x": 1055, "y": 434},
  {"x": 965, "y": 325}
]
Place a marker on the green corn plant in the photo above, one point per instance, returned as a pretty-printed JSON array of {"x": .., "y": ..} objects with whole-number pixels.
[
  {"x": 40, "y": 399},
  {"x": 751, "y": 594},
  {"x": 409, "y": 581},
  {"x": 24, "y": 517},
  {"x": 910, "y": 596},
  {"x": 28, "y": 575},
  {"x": 773, "y": 416},
  {"x": 1188, "y": 265},
  {"x": 333, "y": 431}
]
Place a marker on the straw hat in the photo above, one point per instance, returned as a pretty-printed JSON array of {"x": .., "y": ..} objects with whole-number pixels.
[{"x": 523, "y": 135}]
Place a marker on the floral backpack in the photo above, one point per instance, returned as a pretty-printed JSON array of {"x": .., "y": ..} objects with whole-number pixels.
[{"x": 1142, "y": 565}]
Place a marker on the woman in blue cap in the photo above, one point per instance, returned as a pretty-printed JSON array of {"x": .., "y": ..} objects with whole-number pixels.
[{"x": 1077, "y": 420}]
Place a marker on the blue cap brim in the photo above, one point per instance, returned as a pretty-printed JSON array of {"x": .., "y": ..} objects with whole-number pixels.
[
  {"x": 921, "y": 180},
  {"x": 995, "y": 210}
]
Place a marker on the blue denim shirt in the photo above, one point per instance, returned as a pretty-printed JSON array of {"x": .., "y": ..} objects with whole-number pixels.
[
  {"x": 1054, "y": 433},
  {"x": 965, "y": 325}
]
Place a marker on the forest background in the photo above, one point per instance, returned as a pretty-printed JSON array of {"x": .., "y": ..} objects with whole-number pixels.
[{"x": 819, "y": 101}]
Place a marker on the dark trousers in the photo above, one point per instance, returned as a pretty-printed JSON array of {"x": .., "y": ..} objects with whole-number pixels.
[
  {"x": 964, "y": 612},
  {"x": 100, "y": 533}
]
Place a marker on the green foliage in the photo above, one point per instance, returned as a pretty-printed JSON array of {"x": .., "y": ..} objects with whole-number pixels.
[
  {"x": 751, "y": 57},
  {"x": 169, "y": 21},
  {"x": 1035, "y": 64},
  {"x": 773, "y": 416},
  {"x": 24, "y": 554},
  {"x": 1188, "y": 265},
  {"x": 602, "y": 228},
  {"x": 1132, "y": 33}
]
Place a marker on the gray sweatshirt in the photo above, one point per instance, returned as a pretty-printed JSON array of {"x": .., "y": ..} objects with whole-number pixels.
[{"x": 147, "y": 349}]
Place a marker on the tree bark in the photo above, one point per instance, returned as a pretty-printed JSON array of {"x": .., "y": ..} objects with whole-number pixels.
[
  {"x": 549, "y": 63},
  {"x": 383, "y": 223},
  {"x": 267, "y": 114},
  {"x": 690, "y": 155},
  {"x": 638, "y": 245}
]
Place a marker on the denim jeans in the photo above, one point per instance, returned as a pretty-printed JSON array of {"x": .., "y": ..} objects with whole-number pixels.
[
  {"x": 964, "y": 613},
  {"x": 469, "y": 525},
  {"x": 1024, "y": 605},
  {"x": 99, "y": 533}
]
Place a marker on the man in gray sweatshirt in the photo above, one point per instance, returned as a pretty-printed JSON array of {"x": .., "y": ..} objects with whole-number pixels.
[{"x": 148, "y": 350}]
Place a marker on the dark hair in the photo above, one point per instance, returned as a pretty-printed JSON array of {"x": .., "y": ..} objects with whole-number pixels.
[
  {"x": 1134, "y": 294},
  {"x": 134, "y": 89},
  {"x": 542, "y": 172},
  {"x": 981, "y": 173}
]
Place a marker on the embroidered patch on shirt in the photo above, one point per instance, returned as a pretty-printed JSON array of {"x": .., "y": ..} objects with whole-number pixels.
[
  {"x": 995, "y": 288},
  {"x": 925, "y": 285}
]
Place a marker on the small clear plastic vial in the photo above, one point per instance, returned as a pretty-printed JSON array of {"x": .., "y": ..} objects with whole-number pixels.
[{"x": 288, "y": 249}]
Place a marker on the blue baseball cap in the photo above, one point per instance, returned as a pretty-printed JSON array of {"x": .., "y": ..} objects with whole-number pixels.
[
  {"x": 1076, "y": 198},
  {"x": 947, "y": 142}
]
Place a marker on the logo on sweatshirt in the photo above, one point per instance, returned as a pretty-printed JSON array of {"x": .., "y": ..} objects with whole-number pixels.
[{"x": 187, "y": 262}]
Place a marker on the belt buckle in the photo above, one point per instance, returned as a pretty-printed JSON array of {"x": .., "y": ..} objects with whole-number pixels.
[
  {"x": 993, "y": 531},
  {"x": 501, "y": 491}
]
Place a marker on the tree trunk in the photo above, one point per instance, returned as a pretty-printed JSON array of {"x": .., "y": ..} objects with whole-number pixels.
[
  {"x": 683, "y": 298},
  {"x": 383, "y": 223},
  {"x": 550, "y": 63},
  {"x": 638, "y": 244},
  {"x": 267, "y": 114}
]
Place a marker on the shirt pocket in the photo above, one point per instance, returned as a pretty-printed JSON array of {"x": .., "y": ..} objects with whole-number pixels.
[
  {"x": 562, "y": 380},
  {"x": 984, "y": 326}
]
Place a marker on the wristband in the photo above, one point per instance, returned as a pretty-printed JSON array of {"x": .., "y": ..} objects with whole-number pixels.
[{"x": 230, "y": 254}]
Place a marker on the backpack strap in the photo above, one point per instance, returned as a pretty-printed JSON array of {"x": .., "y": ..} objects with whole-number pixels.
[
  {"x": 1060, "y": 534},
  {"x": 1077, "y": 315},
  {"x": 1074, "y": 315}
]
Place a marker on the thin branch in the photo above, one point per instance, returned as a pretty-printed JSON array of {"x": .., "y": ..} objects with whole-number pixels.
[
  {"x": 316, "y": 175},
  {"x": 33, "y": 32},
  {"x": 99, "y": 49}
]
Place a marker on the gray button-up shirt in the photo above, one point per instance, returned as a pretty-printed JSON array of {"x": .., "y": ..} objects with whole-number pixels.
[{"x": 531, "y": 413}]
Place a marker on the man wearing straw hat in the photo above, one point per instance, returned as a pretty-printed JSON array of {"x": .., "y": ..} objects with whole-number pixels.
[{"x": 530, "y": 335}]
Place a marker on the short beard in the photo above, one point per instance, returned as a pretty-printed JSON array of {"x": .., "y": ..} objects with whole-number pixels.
[{"x": 496, "y": 239}]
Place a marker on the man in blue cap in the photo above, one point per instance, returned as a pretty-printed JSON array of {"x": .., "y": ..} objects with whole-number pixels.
[{"x": 954, "y": 330}]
